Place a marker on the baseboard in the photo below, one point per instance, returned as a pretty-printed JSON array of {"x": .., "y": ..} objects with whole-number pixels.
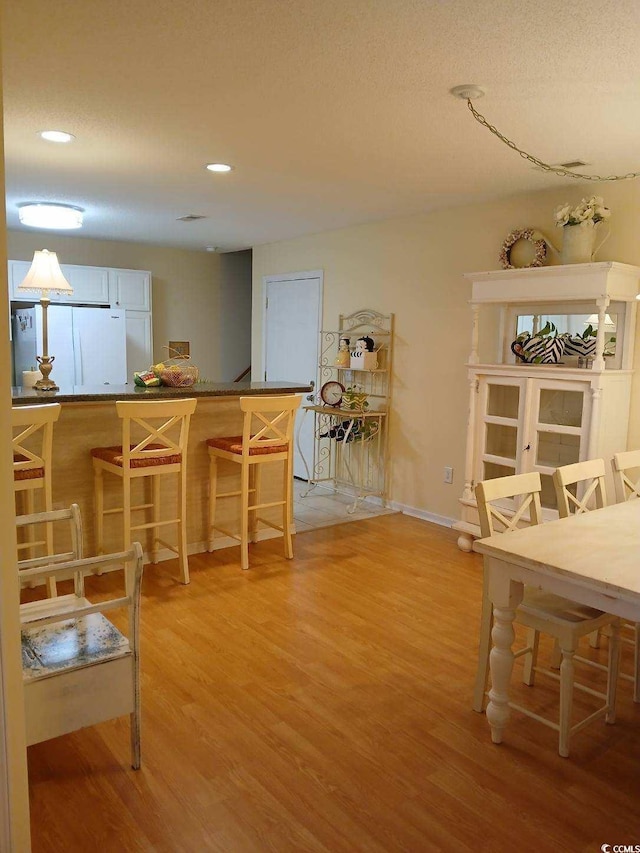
[{"x": 414, "y": 512}]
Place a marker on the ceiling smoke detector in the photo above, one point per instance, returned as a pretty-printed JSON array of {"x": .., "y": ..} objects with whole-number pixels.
[{"x": 190, "y": 217}]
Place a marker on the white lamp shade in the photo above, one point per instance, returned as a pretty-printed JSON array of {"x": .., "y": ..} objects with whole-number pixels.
[
  {"x": 45, "y": 274},
  {"x": 594, "y": 321}
]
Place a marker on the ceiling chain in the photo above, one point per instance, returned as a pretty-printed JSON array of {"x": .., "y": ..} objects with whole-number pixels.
[{"x": 547, "y": 168}]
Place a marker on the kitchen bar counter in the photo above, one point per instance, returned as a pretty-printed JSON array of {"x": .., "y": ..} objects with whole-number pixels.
[
  {"x": 88, "y": 419},
  {"x": 105, "y": 393}
]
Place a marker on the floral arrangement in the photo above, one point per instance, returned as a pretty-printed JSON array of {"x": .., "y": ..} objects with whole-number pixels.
[
  {"x": 588, "y": 213},
  {"x": 526, "y": 234}
]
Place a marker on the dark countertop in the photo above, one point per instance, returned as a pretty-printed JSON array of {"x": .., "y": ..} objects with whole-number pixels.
[{"x": 107, "y": 393}]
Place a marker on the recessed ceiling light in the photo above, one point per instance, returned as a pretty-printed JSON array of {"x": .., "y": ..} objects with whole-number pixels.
[
  {"x": 212, "y": 249},
  {"x": 219, "y": 167},
  {"x": 56, "y": 135},
  {"x": 55, "y": 216}
]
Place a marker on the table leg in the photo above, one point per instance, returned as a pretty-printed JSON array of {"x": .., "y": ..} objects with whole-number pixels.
[{"x": 505, "y": 594}]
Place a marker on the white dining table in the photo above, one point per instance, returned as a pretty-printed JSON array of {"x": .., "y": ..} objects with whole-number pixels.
[{"x": 593, "y": 558}]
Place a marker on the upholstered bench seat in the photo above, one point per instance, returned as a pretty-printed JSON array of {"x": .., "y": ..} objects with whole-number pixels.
[{"x": 71, "y": 643}]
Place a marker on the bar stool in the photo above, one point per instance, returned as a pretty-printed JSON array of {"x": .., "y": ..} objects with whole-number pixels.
[
  {"x": 267, "y": 436},
  {"x": 32, "y": 442},
  {"x": 154, "y": 442}
]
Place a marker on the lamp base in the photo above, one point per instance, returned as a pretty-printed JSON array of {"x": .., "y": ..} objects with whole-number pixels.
[
  {"x": 45, "y": 362},
  {"x": 46, "y": 385}
]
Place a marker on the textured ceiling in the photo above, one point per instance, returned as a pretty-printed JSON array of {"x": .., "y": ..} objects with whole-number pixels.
[{"x": 333, "y": 112}]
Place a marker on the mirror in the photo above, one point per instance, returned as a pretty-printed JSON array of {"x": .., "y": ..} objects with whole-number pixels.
[{"x": 574, "y": 324}]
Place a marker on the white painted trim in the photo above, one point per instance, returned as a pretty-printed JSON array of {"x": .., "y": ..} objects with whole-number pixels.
[
  {"x": 292, "y": 276},
  {"x": 14, "y": 791},
  {"x": 414, "y": 512}
]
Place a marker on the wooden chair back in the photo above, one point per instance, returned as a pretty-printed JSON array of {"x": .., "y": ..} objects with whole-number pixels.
[
  {"x": 268, "y": 424},
  {"x": 525, "y": 488},
  {"x": 74, "y": 519},
  {"x": 626, "y": 475},
  {"x": 32, "y": 441},
  {"x": 590, "y": 493},
  {"x": 154, "y": 428}
]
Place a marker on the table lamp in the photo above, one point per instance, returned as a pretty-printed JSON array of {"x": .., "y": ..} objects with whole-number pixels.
[{"x": 45, "y": 275}]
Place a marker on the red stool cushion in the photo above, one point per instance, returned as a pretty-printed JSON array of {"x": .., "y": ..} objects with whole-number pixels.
[
  {"x": 113, "y": 455},
  {"x": 26, "y": 473},
  {"x": 233, "y": 444}
]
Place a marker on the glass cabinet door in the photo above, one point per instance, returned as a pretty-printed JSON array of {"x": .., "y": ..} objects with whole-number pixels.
[
  {"x": 557, "y": 434},
  {"x": 499, "y": 427}
]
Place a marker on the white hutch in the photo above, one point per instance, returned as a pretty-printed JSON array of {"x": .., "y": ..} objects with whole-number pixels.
[{"x": 537, "y": 417}]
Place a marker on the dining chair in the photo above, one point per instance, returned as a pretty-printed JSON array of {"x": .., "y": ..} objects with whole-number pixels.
[
  {"x": 32, "y": 444},
  {"x": 267, "y": 437},
  {"x": 155, "y": 434},
  {"x": 626, "y": 475},
  {"x": 564, "y": 620},
  {"x": 78, "y": 668},
  {"x": 580, "y": 487}
]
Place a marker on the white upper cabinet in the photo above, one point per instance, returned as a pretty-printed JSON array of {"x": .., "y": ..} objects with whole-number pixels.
[
  {"x": 130, "y": 289},
  {"x": 90, "y": 285}
]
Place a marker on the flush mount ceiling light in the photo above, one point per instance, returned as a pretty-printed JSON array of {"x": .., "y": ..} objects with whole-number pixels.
[
  {"x": 469, "y": 91},
  {"x": 219, "y": 167},
  {"x": 54, "y": 216},
  {"x": 56, "y": 135}
]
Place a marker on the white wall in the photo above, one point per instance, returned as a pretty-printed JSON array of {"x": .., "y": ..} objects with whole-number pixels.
[{"x": 413, "y": 267}]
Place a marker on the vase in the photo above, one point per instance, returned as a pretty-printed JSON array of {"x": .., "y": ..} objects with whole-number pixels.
[{"x": 579, "y": 243}]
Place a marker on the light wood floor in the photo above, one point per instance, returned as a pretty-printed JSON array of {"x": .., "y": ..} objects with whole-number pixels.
[{"x": 323, "y": 704}]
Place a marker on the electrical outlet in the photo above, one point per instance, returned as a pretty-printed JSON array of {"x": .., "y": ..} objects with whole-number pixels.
[{"x": 448, "y": 474}]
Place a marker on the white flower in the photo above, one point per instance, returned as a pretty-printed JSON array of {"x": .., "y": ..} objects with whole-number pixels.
[
  {"x": 562, "y": 214},
  {"x": 589, "y": 212}
]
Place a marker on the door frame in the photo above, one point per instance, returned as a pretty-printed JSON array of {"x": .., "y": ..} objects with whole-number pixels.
[
  {"x": 291, "y": 276},
  {"x": 300, "y": 460}
]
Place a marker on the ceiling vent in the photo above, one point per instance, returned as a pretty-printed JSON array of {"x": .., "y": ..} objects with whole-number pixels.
[
  {"x": 190, "y": 217},
  {"x": 574, "y": 164},
  {"x": 571, "y": 165}
]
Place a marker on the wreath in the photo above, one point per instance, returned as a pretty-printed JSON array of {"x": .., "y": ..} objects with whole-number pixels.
[{"x": 526, "y": 234}]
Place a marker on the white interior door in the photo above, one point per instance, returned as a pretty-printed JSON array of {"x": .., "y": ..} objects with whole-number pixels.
[{"x": 293, "y": 308}]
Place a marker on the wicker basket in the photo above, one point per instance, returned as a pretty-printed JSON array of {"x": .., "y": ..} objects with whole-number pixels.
[
  {"x": 179, "y": 376},
  {"x": 177, "y": 372}
]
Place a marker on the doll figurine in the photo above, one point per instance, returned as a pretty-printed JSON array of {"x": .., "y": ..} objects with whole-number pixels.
[
  {"x": 344, "y": 355},
  {"x": 364, "y": 357}
]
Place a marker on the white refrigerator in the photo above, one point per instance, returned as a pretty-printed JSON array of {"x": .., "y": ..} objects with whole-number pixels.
[{"x": 89, "y": 344}]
